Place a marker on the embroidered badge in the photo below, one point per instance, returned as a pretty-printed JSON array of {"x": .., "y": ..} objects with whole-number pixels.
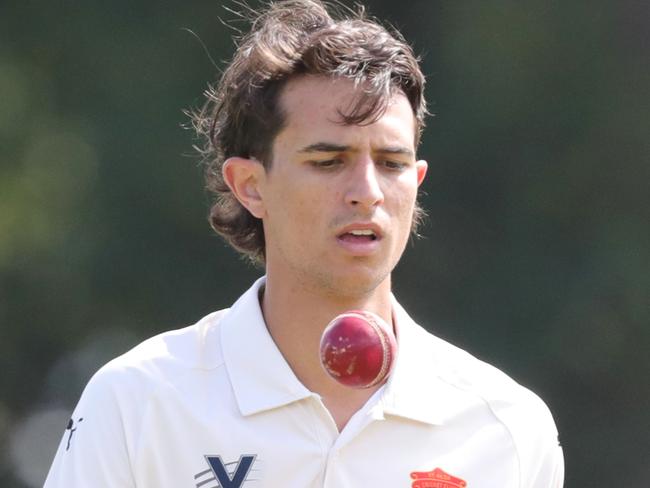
[{"x": 436, "y": 479}]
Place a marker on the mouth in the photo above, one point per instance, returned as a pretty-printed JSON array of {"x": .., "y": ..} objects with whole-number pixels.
[
  {"x": 360, "y": 239},
  {"x": 363, "y": 235}
]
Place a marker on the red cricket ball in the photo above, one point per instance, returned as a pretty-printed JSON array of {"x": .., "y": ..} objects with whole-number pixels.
[{"x": 358, "y": 349}]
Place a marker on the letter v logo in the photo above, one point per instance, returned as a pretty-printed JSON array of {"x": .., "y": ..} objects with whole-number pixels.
[{"x": 240, "y": 472}]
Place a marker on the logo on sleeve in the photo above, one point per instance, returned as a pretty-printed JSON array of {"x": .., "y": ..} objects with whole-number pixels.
[
  {"x": 225, "y": 475},
  {"x": 71, "y": 430},
  {"x": 436, "y": 479}
]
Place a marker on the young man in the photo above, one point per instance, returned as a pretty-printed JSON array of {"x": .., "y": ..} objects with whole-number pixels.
[{"x": 311, "y": 139}]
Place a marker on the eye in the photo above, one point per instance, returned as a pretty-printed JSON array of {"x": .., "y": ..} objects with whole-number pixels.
[
  {"x": 326, "y": 163},
  {"x": 395, "y": 165}
]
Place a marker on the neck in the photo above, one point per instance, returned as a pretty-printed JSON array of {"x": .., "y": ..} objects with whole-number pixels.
[{"x": 296, "y": 316}]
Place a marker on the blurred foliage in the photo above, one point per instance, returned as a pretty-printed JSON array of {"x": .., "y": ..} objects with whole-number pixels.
[{"x": 536, "y": 255}]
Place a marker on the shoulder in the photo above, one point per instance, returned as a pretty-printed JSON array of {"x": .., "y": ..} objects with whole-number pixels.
[
  {"x": 468, "y": 373},
  {"x": 516, "y": 406},
  {"x": 522, "y": 413},
  {"x": 160, "y": 360}
]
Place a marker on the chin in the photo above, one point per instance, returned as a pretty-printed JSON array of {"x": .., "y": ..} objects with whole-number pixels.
[{"x": 356, "y": 281}]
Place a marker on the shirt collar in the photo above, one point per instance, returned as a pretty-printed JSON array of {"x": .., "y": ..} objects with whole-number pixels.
[
  {"x": 262, "y": 379},
  {"x": 259, "y": 374},
  {"x": 415, "y": 389}
]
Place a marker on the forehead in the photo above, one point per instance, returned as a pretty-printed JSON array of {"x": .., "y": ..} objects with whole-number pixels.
[{"x": 312, "y": 107}]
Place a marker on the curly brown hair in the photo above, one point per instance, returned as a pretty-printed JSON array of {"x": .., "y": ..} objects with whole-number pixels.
[{"x": 241, "y": 116}]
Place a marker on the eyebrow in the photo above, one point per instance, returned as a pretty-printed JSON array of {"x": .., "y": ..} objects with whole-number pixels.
[{"x": 329, "y": 147}]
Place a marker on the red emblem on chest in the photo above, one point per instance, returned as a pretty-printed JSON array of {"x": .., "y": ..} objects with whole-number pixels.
[{"x": 436, "y": 479}]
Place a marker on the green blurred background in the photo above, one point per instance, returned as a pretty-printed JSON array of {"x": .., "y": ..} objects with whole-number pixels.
[{"x": 535, "y": 256}]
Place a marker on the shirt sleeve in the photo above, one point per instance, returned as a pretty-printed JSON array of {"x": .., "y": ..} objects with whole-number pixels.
[
  {"x": 535, "y": 438},
  {"x": 541, "y": 455},
  {"x": 94, "y": 449},
  {"x": 549, "y": 471},
  {"x": 558, "y": 475}
]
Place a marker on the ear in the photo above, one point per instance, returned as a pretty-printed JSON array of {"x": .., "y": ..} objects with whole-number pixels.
[
  {"x": 421, "y": 168},
  {"x": 243, "y": 177}
]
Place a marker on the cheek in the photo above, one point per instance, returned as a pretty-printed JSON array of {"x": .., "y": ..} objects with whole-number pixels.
[
  {"x": 312, "y": 194},
  {"x": 306, "y": 203},
  {"x": 404, "y": 195},
  {"x": 297, "y": 207}
]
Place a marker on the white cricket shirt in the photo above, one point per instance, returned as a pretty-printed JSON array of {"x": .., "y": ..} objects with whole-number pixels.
[{"x": 216, "y": 405}]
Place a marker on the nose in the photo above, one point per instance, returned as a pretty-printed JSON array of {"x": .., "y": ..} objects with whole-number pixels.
[{"x": 364, "y": 188}]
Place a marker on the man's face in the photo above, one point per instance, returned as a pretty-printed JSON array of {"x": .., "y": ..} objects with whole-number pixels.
[{"x": 338, "y": 199}]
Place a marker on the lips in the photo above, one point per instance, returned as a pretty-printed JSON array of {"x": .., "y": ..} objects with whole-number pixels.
[
  {"x": 360, "y": 238},
  {"x": 359, "y": 235},
  {"x": 364, "y": 230}
]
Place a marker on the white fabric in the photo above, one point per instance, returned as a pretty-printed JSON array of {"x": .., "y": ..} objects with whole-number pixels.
[{"x": 216, "y": 404}]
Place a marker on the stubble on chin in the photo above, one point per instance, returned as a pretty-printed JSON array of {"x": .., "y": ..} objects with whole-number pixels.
[{"x": 343, "y": 286}]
